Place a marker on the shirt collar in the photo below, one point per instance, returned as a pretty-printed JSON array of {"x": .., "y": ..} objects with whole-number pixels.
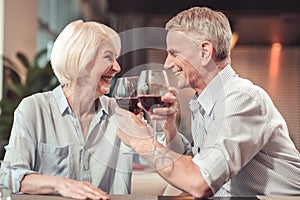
[
  {"x": 64, "y": 107},
  {"x": 215, "y": 88},
  {"x": 194, "y": 104},
  {"x": 60, "y": 99},
  {"x": 104, "y": 101}
]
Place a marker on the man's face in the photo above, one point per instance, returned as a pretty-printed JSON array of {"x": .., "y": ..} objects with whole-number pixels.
[{"x": 183, "y": 58}]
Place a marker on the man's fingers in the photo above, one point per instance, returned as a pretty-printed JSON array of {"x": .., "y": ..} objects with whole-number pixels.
[{"x": 173, "y": 90}]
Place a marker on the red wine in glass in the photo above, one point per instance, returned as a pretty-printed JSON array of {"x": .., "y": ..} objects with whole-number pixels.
[
  {"x": 125, "y": 93},
  {"x": 152, "y": 85},
  {"x": 129, "y": 103},
  {"x": 149, "y": 102}
]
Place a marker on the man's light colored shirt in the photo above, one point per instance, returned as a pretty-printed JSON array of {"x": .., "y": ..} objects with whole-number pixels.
[
  {"x": 241, "y": 141},
  {"x": 46, "y": 138}
]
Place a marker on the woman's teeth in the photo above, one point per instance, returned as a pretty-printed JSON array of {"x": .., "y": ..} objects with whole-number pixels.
[{"x": 108, "y": 79}]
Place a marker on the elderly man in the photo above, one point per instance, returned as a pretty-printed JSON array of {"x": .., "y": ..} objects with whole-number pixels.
[{"x": 241, "y": 142}]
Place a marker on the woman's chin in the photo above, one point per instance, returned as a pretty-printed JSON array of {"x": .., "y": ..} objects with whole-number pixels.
[{"x": 102, "y": 90}]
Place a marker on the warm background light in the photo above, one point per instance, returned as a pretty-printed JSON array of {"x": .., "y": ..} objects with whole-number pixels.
[
  {"x": 235, "y": 38},
  {"x": 274, "y": 68},
  {"x": 274, "y": 59}
]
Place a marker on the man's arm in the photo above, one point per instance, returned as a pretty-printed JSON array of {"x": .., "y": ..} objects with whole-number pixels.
[{"x": 179, "y": 170}]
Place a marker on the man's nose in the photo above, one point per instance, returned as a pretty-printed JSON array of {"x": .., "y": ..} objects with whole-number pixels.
[{"x": 169, "y": 62}]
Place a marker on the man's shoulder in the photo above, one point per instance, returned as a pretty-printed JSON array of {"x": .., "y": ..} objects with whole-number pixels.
[{"x": 243, "y": 85}]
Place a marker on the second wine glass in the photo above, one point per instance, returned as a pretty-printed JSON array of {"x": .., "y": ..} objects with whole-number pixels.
[
  {"x": 125, "y": 93},
  {"x": 152, "y": 85}
]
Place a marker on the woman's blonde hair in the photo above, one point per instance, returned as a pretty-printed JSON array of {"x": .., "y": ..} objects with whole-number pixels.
[
  {"x": 202, "y": 23},
  {"x": 77, "y": 45}
]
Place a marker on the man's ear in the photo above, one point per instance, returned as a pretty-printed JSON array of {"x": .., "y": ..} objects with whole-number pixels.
[{"x": 206, "y": 50}]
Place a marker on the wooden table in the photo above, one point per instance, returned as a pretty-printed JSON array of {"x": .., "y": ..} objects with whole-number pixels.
[
  {"x": 56, "y": 197},
  {"x": 150, "y": 197}
]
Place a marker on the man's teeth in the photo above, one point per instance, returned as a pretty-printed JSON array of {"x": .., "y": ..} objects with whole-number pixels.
[{"x": 177, "y": 73}]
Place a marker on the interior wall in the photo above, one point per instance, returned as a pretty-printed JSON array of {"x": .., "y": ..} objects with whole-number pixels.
[
  {"x": 20, "y": 27},
  {"x": 53, "y": 16},
  {"x": 277, "y": 71},
  {"x": 1, "y": 45}
]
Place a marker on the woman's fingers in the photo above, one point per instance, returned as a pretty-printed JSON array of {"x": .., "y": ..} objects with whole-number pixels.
[{"x": 80, "y": 190}]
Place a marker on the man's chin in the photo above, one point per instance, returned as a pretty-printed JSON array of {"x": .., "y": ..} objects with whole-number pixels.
[{"x": 183, "y": 84}]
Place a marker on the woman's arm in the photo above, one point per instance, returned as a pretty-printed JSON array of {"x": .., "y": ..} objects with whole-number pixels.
[{"x": 41, "y": 184}]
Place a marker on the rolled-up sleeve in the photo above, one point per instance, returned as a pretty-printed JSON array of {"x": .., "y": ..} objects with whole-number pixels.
[{"x": 213, "y": 167}]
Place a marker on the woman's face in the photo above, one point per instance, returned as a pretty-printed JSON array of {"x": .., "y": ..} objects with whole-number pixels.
[{"x": 103, "y": 68}]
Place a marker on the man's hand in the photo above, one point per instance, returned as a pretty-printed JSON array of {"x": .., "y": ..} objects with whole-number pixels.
[
  {"x": 168, "y": 112},
  {"x": 133, "y": 130},
  {"x": 166, "y": 116}
]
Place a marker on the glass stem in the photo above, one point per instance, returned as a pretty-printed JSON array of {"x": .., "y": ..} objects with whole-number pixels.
[{"x": 154, "y": 142}]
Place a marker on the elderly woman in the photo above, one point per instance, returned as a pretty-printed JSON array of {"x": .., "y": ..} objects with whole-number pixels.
[{"x": 64, "y": 141}]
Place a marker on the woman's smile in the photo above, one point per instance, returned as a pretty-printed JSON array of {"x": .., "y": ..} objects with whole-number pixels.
[{"x": 107, "y": 79}]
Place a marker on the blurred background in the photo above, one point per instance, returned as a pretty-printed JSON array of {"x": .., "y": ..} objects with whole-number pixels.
[{"x": 266, "y": 46}]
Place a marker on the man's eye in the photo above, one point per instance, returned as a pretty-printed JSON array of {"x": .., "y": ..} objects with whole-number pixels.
[{"x": 172, "y": 54}]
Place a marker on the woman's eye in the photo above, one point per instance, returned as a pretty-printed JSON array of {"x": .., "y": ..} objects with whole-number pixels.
[{"x": 109, "y": 57}]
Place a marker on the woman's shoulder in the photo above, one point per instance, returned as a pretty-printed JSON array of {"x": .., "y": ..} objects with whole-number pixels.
[{"x": 36, "y": 101}]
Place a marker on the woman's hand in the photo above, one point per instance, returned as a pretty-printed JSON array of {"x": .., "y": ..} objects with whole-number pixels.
[
  {"x": 79, "y": 190},
  {"x": 42, "y": 184}
]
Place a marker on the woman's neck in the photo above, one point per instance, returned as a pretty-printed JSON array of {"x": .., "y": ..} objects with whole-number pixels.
[{"x": 80, "y": 101}]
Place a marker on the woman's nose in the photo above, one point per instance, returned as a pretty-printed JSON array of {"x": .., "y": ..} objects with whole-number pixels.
[{"x": 116, "y": 67}]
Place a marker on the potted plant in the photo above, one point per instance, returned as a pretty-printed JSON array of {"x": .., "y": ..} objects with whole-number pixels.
[{"x": 21, "y": 81}]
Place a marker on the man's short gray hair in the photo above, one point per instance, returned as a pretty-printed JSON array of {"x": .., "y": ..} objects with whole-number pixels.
[{"x": 202, "y": 23}]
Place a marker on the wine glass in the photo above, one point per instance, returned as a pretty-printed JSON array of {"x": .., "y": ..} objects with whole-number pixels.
[
  {"x": 125, "y": 93},
  {"x": 152, "y": 85}
]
